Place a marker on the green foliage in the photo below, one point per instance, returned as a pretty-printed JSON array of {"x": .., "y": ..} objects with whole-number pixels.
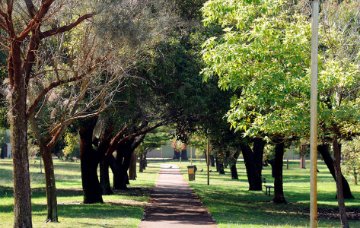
[
  {"x": 263, "y": 56},
  {"x": 72, "y": 147},
  {"x": 262, "y": 53},
  {"x": 351, "y": 157}
]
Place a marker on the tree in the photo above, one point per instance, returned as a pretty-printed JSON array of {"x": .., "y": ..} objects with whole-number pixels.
[
  {"x": 23, "y": 38},
  {"x": 259, "y": 55},
  {"x": 351, "y": 160},
  {"x": 263, "y": 52}
]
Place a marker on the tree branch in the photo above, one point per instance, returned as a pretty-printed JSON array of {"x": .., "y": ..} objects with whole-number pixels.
[
  {"x": 31, "y": 8},
  {"x": 36, "y": 20},
  {"x": 118, "y": 140},
  {"x": 47, "y": 89},
  {"x": 65, "y": 28}
]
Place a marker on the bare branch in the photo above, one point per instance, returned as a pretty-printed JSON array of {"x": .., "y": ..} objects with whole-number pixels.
[
  {"x": 47, "y": 89},
  {"x": 57, "y": 130},
  {"x": 65, "y": 28}
]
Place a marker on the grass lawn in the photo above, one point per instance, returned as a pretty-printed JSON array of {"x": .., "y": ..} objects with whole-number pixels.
[
  {"x": 123, "y": 209},
  {"x": 232, "y": 205}
]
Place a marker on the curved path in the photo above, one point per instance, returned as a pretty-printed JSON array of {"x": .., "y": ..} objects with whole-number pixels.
[{"x": 173, "y": 204}]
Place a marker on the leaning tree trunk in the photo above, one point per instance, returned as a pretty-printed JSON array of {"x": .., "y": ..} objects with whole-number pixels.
[
  {"x": 89, "y": 162},
  {"x": 252, "y": 170},
  {"x": 325, "y": 154},
  {"x": 339, "y": 186},
  {"x": 51, "y": 196},
  {"x": 277, "y": 170},
  {"x": 234, "y": 173},
  {"x": 19, "y": 127}
]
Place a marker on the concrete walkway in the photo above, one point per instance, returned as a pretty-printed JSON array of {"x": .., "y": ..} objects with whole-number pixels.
[{"x": 173, "y": 204}]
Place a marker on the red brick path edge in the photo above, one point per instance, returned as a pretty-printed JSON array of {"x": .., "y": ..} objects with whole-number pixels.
[{"x": 173, "y": 204}]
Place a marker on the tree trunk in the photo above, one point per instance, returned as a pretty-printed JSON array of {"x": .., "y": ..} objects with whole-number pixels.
[
  {"x": 89, "y": 160},
  {"x": 51, "y": 196},
  {"x": 253, "y": 170},
  {"x": 212, "y": 160},
  {"x": 132, "y": 168},
  {"x": 233, "y": 169},
  {"x": 104, "y": 177},
  {"x": 234, "y": 173},
  {"x": 325, "y": 154},
  {"x": 277, "y": 170},
  {"x": 258, "y": 150},
  {"x": 302, "y": 156},
  {"x": 19, "y": 127},
  {"x": 339, "y": 186},
  {"x": 142, "y": 162},
  {"x": 221, "y": 168},
  {"x": 123, "y": 157},
  {"x": 183, "y": 155},
  {"x": 176, "y": 155}
]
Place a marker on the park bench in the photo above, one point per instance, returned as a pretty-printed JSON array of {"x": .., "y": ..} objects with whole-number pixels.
[{"x": 268, "y": 187}]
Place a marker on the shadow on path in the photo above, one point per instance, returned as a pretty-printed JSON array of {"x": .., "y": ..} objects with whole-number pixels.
[{"x": 173, "y": 204}]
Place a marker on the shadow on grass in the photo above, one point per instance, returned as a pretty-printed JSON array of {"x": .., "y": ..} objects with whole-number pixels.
[{"x": 256, "y": 208}]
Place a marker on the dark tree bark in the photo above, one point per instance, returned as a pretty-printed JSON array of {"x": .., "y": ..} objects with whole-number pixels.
[
  {"x": 339, "y": 186},
  {"x": 221, "y": 168},
  {"x": 258, "y": 150},
  {"x": 212, "y": 160},
  {"x": 104, "y": 144},
  {"x": 104, "y": 177},
  {"x": 19, "y": 127},
  {"x": 302, "y": 156},
  {"x": 325, "y": 154},
  {"x": 142, "y": 162},
  {"x": 176, "y": 155},
  {"x": 233, "y": 169},
  {"x": 216, "y": 163},
  {"x": 253, "y": 163},
  {"x": 51, "y": 196},
  {"x": 277, "y": 170},
  {"x": 183, "y": 155},
  {"x": 123, "y": 157},
  {"x": 123, "y": 160},
  {"x": 234, "y": 173},
  {"x": 89, "y": 159},
  {"x": 132, "y": 168}
]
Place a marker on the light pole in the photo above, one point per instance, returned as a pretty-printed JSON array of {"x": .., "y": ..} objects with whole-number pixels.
[
  {"x": 191, "y": 149},
  {"x": 313, "y": 113},
  {"x": 208, "y": 161}
]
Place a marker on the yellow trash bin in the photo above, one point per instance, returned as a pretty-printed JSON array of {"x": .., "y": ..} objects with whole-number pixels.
[{"x": 191, "y": 172}]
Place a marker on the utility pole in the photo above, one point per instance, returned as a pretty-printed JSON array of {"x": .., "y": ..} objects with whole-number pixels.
[{"x": 313, "y": 113}]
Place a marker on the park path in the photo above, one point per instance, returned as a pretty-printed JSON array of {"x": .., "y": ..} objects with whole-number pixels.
[{"x": 173, "y": 204}]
